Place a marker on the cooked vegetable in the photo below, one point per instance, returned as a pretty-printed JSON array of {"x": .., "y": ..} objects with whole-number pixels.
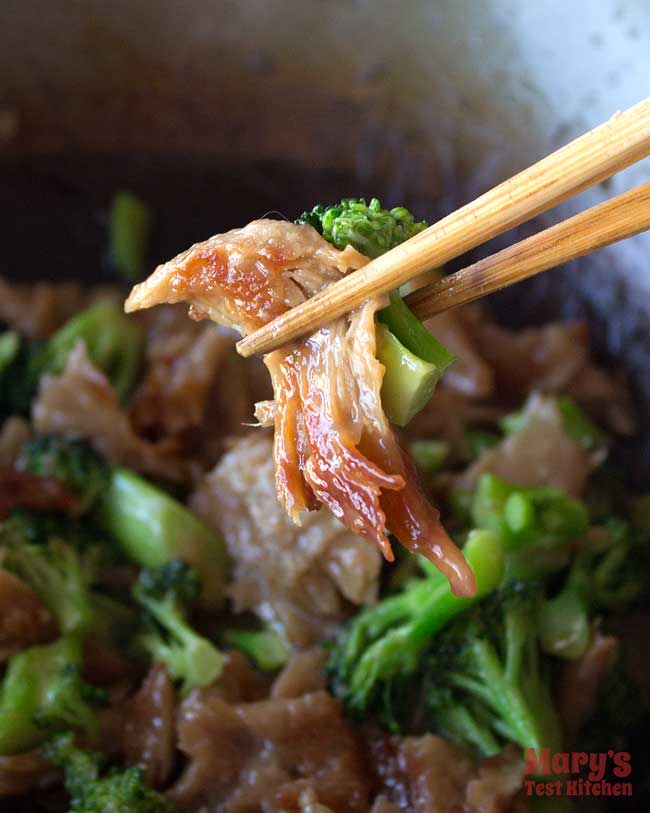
[
  {"x": 37, "y": 527},
  {"x": 20, "y": 371},
  {"x": 131, "y": 223},
  {"x": 429, "y": 455},
  {"x": 72, "y": 462},
  {"x": 385, "y": 642},
  {"x": 488, "y": 681},
  {"x": 9, "y": 349},
  {"x": 535, "y": 524},
  {"x": 369, "y": 228},
  {"x": 166, "y": 593},
  {"x": 408, "y": 329},
  {"x": 58, "y": 574},
  {"x": 42, "y": 692},
  {"x": 604, "y": 575},
  {"x": 153, "y": 529},
  {"x": 114, "y": 792},
  {"x": 113, "y": 341},
  {"x": 264, "y": 647},
  {"x": 413, "y": 358},
  {"x": 409, "y": 381}
]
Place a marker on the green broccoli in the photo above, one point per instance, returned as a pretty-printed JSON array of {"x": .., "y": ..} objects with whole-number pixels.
[
  {"x": 165, "y": 593},
  {"x": 115, "y": 792},
  {"x": 19, "y": 374},
  {"x": 413, "y": 359},
  {"x": 9, "y": 349},
  {"x": 264, "y": 647},
  {"x": 606, "y": 574},
  {"x": 72, "y": 462},
  {"x": 37, "y": 527},
  {"x": 383, "y": 645},
  {"x": 536, "y": 524},
  {"x": 429, "y": 455},
  {"x": 153, "y": 528},
  {"x": 57, "y": 573},
  {"x": 488, "y": 682},
  {"x": 369, "y": 228},
  {"x": 42, "y": 691},
  {"x": 114, "y": 342}
]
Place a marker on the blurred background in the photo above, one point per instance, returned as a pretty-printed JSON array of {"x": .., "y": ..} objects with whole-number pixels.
[{"x": 217, "y": 112}]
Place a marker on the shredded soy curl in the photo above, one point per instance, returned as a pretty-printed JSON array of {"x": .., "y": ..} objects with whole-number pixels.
[{"x": 333, "y": 444}]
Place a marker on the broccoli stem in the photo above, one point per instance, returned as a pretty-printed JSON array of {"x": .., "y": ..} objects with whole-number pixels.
[
  {"x": 462, "y": 726},
  {"x": 264, "y": 647},
  {"x": 164, "y": 593},
  {"x": 564, "y": 627},
  {"x": 131, "y": 222},
  {"x": 413, "y": 335},
  {"x": 409, "y": 381},
  {"x": 152, "y": 529}
]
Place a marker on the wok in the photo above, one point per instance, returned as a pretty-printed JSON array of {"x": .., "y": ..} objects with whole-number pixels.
[{"x": 219, "y": 111}]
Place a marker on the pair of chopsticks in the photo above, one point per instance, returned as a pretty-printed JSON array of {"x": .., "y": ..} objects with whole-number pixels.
[{"x": 590, "y": 159}]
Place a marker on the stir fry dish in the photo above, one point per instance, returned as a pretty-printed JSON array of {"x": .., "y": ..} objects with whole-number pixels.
[{"x": 375, "y": 582}]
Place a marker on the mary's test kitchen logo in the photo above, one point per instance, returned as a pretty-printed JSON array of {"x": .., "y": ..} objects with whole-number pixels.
[{"x": 577, "y": 773}]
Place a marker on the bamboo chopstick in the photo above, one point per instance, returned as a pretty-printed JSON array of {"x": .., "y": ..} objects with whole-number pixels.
[
  {"x": 597, "y": 155},
  {"x": 617, "y": 219}
]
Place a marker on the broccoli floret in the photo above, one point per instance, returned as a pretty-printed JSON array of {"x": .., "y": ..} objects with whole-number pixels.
[
  {"x": 537, "y": 524},
  {"x": 488, "y": 680},
  {"x": 72, "y": 462},
  {"x": 57, "y": 573},
  {"x": 166, "y": 593},
  {"x": 114, "y": 792},
  {"x": 152, "y": 528},
  {"x": 264, "y": 647},
  {"x": 37, "y": 527},
  {"x": 607, "y": 574},
  {"x": 42, "y": 691},
  {"x": 369, "y": 228},
  {"x": 114, "y": 342},
  {"x": 382, "y": 647}
]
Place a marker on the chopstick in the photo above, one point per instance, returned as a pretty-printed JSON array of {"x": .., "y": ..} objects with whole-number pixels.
[
  {"x": 597, "y": 155},
  {"x": 609, "y": 222}
]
